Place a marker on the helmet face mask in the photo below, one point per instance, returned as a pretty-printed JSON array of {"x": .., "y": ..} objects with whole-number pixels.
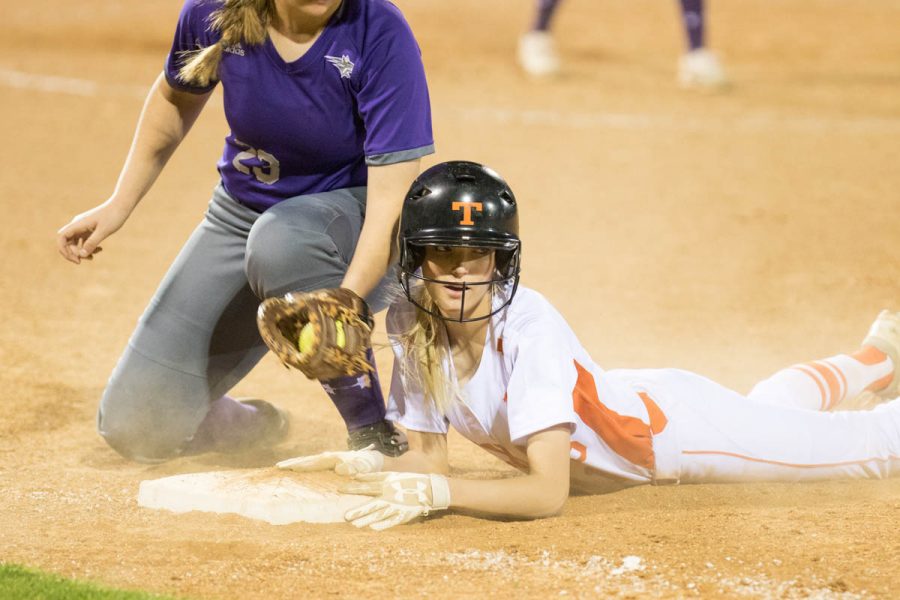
[
  {"x": 460, "y": 204},
  {"x": 503, "y": 281}
]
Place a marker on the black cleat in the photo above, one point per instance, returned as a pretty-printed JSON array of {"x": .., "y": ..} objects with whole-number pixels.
[
  {"x": 382, "y": 435},
  {"x": 277, "y": 423}
]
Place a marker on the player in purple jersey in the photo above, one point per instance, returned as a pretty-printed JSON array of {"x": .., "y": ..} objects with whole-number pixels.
[
  {"x": 329, "y": 115},
  {"x": 697, "y": 68}
]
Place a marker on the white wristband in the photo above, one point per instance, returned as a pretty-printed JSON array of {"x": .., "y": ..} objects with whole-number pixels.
[{"x": 440, "y": 492}]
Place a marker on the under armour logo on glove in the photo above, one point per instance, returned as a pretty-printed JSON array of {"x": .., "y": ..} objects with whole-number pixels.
[
  {"x": 399, "y": 498},
  {"x": 405, "y": 495}
]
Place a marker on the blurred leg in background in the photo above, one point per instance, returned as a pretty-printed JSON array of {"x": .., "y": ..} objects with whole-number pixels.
[
  {"x": 537, "y": 50},
  {"x": 698, "y": 67}
]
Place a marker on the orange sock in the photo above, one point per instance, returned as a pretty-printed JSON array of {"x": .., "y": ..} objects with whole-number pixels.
[
  {"x": 823, "y": 384},
  {"x": 870, "y": 355}
]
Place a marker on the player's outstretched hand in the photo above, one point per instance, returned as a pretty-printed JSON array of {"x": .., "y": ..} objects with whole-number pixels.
[
  {"x": 399, "y": 498},
  {"x": 347, "y": 463},
  {"x": 80, "y": 239}
]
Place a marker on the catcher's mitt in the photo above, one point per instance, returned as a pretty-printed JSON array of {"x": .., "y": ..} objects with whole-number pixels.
[{"x": 334, "y": 344}]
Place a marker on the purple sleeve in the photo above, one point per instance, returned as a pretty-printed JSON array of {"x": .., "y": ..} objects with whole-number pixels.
[
  {"x": 393, "y": 97},
  {"x": 191, "y": 33}
]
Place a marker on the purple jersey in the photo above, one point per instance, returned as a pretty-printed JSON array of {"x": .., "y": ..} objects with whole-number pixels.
[{"x": 358, "y": 96}]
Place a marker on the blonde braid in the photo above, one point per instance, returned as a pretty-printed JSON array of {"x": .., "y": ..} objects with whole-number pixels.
[{"x": 238, "y": 21}]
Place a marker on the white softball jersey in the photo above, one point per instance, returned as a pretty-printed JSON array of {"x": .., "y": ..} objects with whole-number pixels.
[{"x": 634, "y": 426}]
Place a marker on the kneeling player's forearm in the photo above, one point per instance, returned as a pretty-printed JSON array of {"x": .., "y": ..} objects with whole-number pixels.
[
  {"x": 528, "y": 497},
  {"x": 416, "y": 461}
]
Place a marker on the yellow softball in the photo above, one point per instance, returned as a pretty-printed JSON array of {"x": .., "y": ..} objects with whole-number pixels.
[
  {"x": 340, "y": 338},
  {"x": 306, "y": 339},
  {"x": 308, "y": 336}
]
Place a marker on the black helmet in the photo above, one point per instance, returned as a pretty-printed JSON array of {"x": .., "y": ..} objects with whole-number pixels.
[{"x": 461, "y": 203}]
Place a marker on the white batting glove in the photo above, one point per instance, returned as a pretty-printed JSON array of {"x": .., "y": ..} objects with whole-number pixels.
[
  {"x": 346, "y": 463},
  {"x": 400, "y": 498}
]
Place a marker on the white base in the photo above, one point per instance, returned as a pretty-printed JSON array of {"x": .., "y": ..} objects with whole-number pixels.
[{"x": 275, "y": 498}]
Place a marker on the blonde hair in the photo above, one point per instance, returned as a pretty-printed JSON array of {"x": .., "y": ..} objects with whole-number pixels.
[
  {"x": 426, "y": 350},
  {"x": 238, "y": 21}
]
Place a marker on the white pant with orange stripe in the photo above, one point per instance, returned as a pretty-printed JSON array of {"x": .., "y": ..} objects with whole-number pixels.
[{"x": 717, "y": 435}]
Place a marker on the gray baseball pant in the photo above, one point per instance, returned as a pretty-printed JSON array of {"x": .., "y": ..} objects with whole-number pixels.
[{"x": 198, "y": 336}]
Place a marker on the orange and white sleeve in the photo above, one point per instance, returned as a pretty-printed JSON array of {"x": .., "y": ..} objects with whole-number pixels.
[{"x": 539, "y": 394}]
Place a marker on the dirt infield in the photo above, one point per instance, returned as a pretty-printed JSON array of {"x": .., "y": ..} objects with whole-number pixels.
[{"x": 729, "y": 234}]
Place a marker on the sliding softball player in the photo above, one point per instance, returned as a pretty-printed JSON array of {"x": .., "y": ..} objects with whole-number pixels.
[
  {"x": 329, "y": 115},
  {"x": 698, "y": 67},
  {"x": 495, "y": 361}
]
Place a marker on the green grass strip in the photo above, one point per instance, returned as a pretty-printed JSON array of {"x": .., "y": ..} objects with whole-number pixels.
[{"x": 19, "y": 583}]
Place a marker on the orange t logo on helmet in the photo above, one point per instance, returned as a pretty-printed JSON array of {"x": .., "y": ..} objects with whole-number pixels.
[{"x": 466, "y": 207}]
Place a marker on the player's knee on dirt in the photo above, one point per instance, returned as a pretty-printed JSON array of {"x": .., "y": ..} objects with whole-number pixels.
[
  {"x": 133, "y": 444},
  {"x": 280, "y": 258},
  {"x": 149, "y": 412},
  {"x": 137, "y": 441},
  {"x": 150, "y": 435}
]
